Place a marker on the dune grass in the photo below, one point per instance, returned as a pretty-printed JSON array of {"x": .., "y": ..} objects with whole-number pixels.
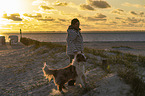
[
  {"x": 28, "y": 42},
  {"x": 122, "y": 47},
  {"x": 95, "y": 52},
  {"x": 128, "y": 73},
  {"x": 141, "y": 60}
]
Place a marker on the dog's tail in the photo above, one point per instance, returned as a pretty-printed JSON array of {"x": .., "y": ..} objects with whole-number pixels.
[{"x": 48, "y": 73}]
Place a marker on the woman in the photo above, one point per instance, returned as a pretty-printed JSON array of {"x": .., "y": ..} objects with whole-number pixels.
[{"x": 74, "y": 42}]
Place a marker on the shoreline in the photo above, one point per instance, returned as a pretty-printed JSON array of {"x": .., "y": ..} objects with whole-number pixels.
[{"x": 139, "y": 45}]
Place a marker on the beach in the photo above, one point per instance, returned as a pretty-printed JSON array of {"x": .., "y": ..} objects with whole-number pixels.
[
  {"x": 21, "y": 70},
  {"x": 137, "y": 48},
  {"x": 34, "y": 34}
]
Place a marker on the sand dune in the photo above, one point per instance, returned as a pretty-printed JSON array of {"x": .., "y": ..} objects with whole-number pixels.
[{"x": 21, "y": 73}]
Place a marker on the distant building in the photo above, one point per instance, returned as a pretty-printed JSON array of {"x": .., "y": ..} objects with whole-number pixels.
[
  {"x": 13, "y": 39},
  {"x": 2, "y": 40}
]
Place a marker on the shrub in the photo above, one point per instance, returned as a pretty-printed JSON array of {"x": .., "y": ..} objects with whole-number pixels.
[{"x": 28, "y": 41}]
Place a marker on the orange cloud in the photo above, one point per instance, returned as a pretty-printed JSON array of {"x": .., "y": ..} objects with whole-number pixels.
[
  {"x": 141, "y": 14},
  {"x": 14, "y": 17},
  {"x": 86, "y": 7},
  {"x": 33, "y": 16},
  {"x": 98, "y": 4},
  {"x": 58, "y": 3},
  {"x": 46, "y": 7},
  {"x": 118, "y": 11},
  {"x": 134, "y": 20},
  {"x": 46, "y": 19},
  {"x": 132, "y": 5},
  {"x": 99, "y": 15}
]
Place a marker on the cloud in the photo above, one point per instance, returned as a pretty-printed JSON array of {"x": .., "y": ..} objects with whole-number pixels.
[
  {"x": 141, "y": 14},
  {"x": 38, "y": 15},
  {"x": 118, "y": 11},
  {"x": 118, "y": 18},
  {"x": 86, "y": 7},
  {"x": 91, "y": 5},
  {"x": 132, "y": 5},
  {"x": 46, "y": 19},
  {"x": 98, "y": 4},
  {"x": 133, "y": 13},
  {"x": 41, "y": 2},
  {"x": 134, "y": 20},
  {"x": 58, "y": 3},
  {"x": 99, "y": 15},
  {"x": 14, "y": 17},
  {"x": 95, "y": 19},
  {"x": 46, "y": 7},
  {"x": 62, "y": 20}
]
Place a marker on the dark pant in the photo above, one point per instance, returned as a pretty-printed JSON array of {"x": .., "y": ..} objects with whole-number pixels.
[
  {"x": 71, "y": 57},
  {"x": 71, "y": 82}
]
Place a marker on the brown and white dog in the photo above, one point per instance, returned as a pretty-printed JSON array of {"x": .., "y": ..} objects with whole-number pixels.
[
  {"x": 79, "y": 63},
  {"x": 63, "y": 75}
]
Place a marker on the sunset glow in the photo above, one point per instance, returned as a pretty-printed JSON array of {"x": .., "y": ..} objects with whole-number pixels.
[
  {"x": 56, "y": 15},
  {"x": 10, "y": 6}
]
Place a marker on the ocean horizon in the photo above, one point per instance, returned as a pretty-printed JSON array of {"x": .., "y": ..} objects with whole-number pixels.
[{"x": 87, "y": 36}]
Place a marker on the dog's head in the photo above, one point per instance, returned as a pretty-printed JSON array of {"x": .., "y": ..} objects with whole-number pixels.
[
  {"x": 80, "y": 57},
  {"x": 47, "y": 72}
]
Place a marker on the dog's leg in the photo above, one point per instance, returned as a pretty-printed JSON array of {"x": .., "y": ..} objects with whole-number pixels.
[
  {"x": 82, "y": 83},
  {"x": 84, "y": 80},
  {"x": 84, "y": 73},
  {"x": 60, "y": 88}
]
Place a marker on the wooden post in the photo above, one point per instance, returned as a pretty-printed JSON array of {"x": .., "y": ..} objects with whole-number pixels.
[
  {"x": 20, "y": 33},
  {"x": 104, "y": 64}
]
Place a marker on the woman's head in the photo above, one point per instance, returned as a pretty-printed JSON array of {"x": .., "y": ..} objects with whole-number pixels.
[{"x": 75, "y": 23}]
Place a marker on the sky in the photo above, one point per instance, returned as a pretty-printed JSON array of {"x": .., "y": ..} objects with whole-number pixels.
[{"x": 56, "y": 15}]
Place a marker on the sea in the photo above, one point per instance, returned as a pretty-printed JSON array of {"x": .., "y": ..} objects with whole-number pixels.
[{"x": 87, "y": 37}]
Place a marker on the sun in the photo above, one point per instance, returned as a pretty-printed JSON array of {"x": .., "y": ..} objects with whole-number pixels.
[{"x": 10, "y": 6}]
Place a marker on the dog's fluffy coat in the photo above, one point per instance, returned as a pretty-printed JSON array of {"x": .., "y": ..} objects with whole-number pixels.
[
  {"x": 78, "y": 62},
  {"x": 62, "y": 76}
]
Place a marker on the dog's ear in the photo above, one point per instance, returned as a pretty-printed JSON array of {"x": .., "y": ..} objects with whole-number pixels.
[
  {"x": 79, "y": 52},
  {"x": 80, "y": 58},
  {"x": 84, "y": 56}
]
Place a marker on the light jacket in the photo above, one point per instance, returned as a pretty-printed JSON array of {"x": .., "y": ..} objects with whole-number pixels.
[{"x": 74, "y": 41}]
